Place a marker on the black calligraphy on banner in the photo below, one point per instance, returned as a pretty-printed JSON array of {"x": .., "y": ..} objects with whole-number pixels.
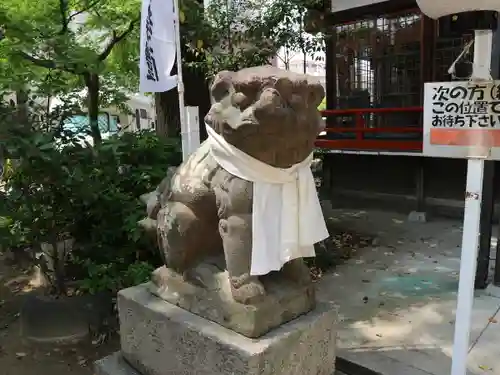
[
  {"x": 152, "y": 74},
  {"x": 466, "y": 106}
]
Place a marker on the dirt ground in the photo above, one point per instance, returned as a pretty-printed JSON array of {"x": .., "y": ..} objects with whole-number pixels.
[{"x": 19, "y": 357}]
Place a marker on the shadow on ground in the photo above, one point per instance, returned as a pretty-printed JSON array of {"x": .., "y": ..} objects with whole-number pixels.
[
  {"x": 397, "y": 299},
  {"x": 19, "y": 357}
]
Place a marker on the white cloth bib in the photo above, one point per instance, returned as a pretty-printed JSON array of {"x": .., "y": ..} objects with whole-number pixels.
[{"x": 287, "y": 219}]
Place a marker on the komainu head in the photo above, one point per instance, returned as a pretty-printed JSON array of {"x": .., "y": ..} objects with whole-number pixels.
[{"x": 268, "y": 113}]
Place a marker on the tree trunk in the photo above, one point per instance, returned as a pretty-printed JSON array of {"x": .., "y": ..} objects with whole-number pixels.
[
  {"x": 22, "y": 99},
  {"x": 167, "y": 104},
  {"x": 167, "y": 113},
  {"x": 196, "y": 94},
  {"x": 92, "y": 83}
]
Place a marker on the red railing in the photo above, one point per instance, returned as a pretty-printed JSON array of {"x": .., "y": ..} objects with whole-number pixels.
[{"x": 360, "y": 129}]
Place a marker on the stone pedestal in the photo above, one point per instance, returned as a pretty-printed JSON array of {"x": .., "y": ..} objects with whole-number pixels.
[
  {"x": 159, "y": 338},
  {"x": 210, "y": 297}
]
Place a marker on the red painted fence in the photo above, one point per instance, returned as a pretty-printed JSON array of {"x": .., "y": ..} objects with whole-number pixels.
[{"x": 361, "y": 142}]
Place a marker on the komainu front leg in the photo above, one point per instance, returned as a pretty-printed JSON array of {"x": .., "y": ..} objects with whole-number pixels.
[
  {"x": 234, "y": 203},
  {"x": 236, "y": 233}
]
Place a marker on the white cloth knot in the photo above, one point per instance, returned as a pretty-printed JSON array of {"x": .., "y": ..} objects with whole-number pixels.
[{"x": 287, "y": 219}]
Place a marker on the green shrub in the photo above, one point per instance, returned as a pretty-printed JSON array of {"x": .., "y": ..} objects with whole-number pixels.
[
  {"x": 63, "y": 188},
  {"x": 12, "y": 235},
  {"x": 113, "y": 276}
]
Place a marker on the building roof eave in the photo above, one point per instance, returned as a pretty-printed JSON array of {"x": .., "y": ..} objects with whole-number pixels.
[{"x": 343, "y": 11}]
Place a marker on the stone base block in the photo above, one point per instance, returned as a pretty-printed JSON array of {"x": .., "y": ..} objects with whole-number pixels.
[
  {"x": 115, "y": 364},
  {"x": 493, "y": 291},
  {"x": 159, "y": 338},
  {"x": 417, "y": 217},
  {"x": 285, "y": 300}
]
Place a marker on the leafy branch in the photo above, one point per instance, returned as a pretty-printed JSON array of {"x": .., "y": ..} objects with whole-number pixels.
[
  {"x": 85, "y": 9},
  {"x": 117, "y": 38}
]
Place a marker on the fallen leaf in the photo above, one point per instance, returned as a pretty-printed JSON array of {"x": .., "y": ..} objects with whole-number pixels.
[{"x": 82, "y": 361}]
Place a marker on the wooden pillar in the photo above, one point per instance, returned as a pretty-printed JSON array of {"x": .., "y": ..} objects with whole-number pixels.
[
  {"x": 427, "y": 38},
  {"x": 485, "y": 226},
  {"x": 331, "y": 72},
  {"x": 488, "y": 203},
  {"x": 495, "y": 72},
  {"x": 331, "y": 99}
]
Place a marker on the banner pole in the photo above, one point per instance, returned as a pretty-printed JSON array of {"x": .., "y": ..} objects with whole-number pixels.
[{"x": 180, "y": 82}]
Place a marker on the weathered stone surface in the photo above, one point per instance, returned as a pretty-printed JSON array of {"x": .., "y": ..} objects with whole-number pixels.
[
  {"x": 159, "y": 338},
  {"x": 210, "y": 297},
  {"x": 201, "y": 210},
  {"x": 114, "y": 364}
]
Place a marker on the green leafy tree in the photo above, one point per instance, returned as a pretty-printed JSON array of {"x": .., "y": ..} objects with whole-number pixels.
[
  {"x": 292, "y": 35},
  {"x": 80, "y": 44},
  {"x": 230, "y": 35}
]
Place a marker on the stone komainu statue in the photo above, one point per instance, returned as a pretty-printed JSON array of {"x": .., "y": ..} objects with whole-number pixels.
[{"x": 201, "y": 211}]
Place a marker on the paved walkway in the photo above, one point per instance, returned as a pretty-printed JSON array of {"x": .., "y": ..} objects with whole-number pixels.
[{"x": 397, "y": 300}]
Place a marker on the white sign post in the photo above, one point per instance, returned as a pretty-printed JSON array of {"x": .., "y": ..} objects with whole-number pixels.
[
  {"x": 462, "y": 120},
  {"x": 190, "y": 133}
]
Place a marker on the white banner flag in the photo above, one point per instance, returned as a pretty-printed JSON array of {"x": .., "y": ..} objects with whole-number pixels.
[{"x": 158, "y": 50}]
